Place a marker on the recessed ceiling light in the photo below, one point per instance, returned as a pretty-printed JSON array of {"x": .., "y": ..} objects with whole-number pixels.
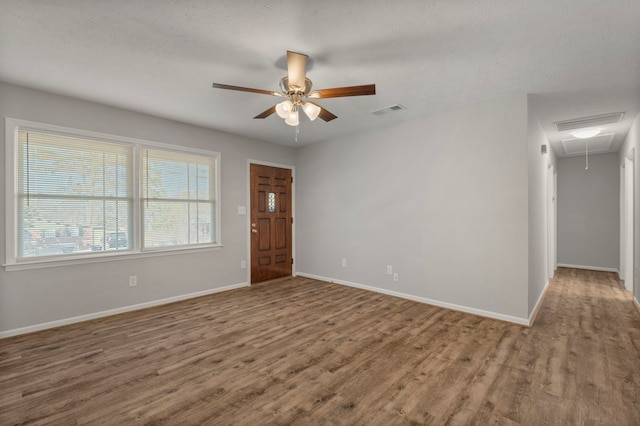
[{"x": 585, "y": 134}]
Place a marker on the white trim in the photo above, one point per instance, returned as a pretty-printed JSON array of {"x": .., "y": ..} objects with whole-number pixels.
[
  {"x": 11, "y": 188},
  {"x": 110, "y": 312},
  {"x": 267, "y": 163},
  {"x": 551, "y": 225},
  {"x": 628, "y": 225},
  {"x": 637, "y": 303},
  {"x": 590, "y": 268},
  {"x": 293, "y": 211},
  {"x": 108, "y": 257},
  {"x": 452, "y": 306},
  {"x": 536, "y": 309},
  {"x": 106, "y": 137},
  {"x": 622, "y": 236}
]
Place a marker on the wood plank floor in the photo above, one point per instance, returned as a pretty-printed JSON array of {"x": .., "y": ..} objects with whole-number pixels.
[{"x": 299, "y": 351}]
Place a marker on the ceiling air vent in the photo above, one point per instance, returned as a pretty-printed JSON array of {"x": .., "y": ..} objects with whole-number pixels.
[
  {"x": 595, "y": 120},
  {"x": 388, "y": 109}
]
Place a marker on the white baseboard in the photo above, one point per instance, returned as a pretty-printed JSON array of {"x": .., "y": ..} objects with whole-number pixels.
[
  {"x": 590, "y": 268},
  {"x": 488, "y": 314},
  {"x": 536, "y": 309},
  {"x": 87, "y": 317}
]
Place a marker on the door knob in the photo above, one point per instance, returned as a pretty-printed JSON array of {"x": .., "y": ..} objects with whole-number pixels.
[{"x": 255, "y": 231}]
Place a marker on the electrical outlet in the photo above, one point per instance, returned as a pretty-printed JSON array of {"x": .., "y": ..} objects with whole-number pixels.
[
  {"x": 396, "y": 277},
  {"x": 243, "y": 264},
  {"x": 389, "y": 269},
  {"x": 344, "y": 263},
  {"x": 133, "y": 281}
]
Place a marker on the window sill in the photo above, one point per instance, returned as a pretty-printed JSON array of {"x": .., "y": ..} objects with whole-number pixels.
[{"x": 111, "y": 257}]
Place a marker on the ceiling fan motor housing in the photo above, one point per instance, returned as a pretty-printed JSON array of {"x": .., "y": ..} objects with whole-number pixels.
[{"x": 290, "y": 90}]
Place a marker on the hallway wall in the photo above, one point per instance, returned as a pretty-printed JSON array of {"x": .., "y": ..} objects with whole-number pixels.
[{"x": 589, "y": 212}]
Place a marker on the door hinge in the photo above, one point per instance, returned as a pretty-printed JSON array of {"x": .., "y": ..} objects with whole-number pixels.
[
  {"x": 291, "y": 220},
  {"x": 291, "y": 179},
  {"x": 292, "y": 260}
]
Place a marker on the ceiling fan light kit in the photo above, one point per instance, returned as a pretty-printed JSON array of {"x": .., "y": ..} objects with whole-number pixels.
[
  {"x": 284, "y": 108},
  {"x": 312, "y": 110},
  {"x": 296, "y": 88},
  {"x": 293, "y": 119}
]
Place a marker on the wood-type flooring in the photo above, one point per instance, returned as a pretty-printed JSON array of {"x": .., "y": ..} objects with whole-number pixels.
[{"x": 300, "y": 351}]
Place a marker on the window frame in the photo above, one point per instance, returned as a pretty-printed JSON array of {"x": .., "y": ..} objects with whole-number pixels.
[
  {"x": 12, "y": 262},
  {"x": 145, "y": 197}
]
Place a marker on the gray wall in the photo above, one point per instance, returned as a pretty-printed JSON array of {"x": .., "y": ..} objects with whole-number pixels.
[
  {"x": 443, "y": 199},
  {"x": 589, "y": 211},
  {"x": 452, "y": 201},
  {"x": 37, "y": 296},
  {"x": 632, "y": 142}
]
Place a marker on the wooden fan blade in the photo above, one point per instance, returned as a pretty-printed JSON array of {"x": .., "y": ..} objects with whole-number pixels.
[
  {"x": 297, "y": 69},
  {"x": 244, "y": 89},
  {"x": 338, "y": 92},
  {"x": 326, "y": 115},
  {"x": 266, "y": 113}
]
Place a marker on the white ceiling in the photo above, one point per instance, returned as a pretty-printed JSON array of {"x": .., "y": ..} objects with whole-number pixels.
[{"x": 576, "y": 57}]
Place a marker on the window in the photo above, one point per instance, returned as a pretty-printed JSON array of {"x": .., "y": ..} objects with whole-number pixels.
[
  {"x": 76, "y": 195},
  {"x": 178, "y": 198}
]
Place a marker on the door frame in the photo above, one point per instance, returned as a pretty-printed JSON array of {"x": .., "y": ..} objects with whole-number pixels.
[
  {"x": 248, "y": 212},
  {"x": 552, "y": 235},
  {"x": 628, "y": 222}
]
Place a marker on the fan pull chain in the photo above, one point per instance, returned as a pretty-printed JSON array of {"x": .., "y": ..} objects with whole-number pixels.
[
  {"x": 297, "y": 133},
  {"x": 586, "y": 158}
]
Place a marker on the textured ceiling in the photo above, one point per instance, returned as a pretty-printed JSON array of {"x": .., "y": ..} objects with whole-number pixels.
[{"x": 576, "y": 57}]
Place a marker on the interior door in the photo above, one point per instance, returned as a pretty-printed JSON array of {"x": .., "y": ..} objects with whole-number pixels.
[{"x": 271, "y": 223}]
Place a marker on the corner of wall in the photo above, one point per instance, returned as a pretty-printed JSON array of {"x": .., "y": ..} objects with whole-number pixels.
[
  {"x": 536, "y": 309},
  {"x": 537, "y": 162}
]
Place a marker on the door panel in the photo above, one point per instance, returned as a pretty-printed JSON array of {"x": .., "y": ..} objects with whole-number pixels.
[
  {"x": 264, "y": 235},
  {"x": 271, "y": 218},
  {"x": 281, "y": 233},
  {"x": 285, "y": 200},
  {"x": 262, "y": 202},
  {"x": 264, "y": 261}
]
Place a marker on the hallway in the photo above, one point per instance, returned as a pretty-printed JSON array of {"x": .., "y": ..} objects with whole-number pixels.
[{"x": 580, "y": 362}]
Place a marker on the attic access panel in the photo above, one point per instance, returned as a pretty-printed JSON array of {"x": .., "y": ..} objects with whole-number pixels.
[{"x": 597, "y": 144}]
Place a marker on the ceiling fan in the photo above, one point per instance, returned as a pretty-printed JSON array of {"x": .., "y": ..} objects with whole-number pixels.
[{"x": 296, "y": 89}]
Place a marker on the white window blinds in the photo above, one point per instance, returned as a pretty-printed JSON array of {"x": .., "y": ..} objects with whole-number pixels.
[
  {"x": 74, "y": 195},
  {"x": 178, "y": 198}
]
